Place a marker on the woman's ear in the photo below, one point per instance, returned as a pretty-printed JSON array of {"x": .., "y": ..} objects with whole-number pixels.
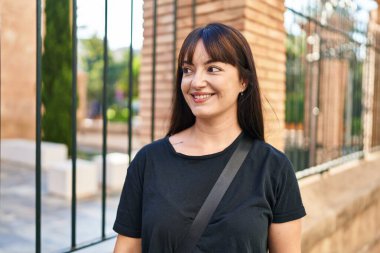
[{"x": 243, "y": 85}]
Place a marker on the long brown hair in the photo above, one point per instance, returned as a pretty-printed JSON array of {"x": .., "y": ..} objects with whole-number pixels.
[{"x": 225, "y": 44}]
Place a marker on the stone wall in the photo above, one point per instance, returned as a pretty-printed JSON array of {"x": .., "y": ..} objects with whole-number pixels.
[{"x": 343, "y": 209}]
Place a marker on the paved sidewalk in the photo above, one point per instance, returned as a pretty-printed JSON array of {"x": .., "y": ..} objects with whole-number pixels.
[{"x": 17, "y": 215}]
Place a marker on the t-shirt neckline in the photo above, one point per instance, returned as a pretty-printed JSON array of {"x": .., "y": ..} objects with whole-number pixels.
[{"x": 208, "y": 156}]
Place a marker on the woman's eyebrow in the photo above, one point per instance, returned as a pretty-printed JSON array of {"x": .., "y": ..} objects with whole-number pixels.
[
  {"x": 207, "y": 62},
  {"x": 187, "y": 62},
  {"x": 210, "y": 61}
]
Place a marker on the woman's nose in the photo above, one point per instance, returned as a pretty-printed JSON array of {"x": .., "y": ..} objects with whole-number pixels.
[{"x": 198, "y": 80}]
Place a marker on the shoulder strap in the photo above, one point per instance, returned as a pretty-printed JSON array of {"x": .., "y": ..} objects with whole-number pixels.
[{"x": 216, "y": 194}]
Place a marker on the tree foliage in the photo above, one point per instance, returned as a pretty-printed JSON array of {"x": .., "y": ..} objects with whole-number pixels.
[
  {"x": 93, "y": 64},
  {"x": 56, "y": 73},
  {"x": 118, "y": 77},
  {"x": 295, "y": 79}
]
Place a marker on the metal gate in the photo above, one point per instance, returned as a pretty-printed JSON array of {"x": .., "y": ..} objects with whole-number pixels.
[{"x": 327, "y": 78}]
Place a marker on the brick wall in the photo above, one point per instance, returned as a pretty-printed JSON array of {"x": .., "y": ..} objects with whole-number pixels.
[
  {"x": 261, "y": 21},
  {"x": 376, "y": 105},
  {"x": 375, "y": 140},
  {"x": 18, "y": 69},
  {"x": 330, "y": 127},
  {"x": 371, "y": 87},
  {"x": 264, "y": 30},
  {"x": 164, "y": 69}
]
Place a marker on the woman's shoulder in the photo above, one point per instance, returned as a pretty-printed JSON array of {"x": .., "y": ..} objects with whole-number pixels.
[
  {"x": 153, "y": 147},
  {"x": 264, "y": 148},
  {"x": 272, "y": 156}
]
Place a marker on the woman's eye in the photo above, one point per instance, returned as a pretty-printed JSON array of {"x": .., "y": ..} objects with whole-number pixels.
[
  {"x": 213, "y": 69},
  {"x": 186, "y": 70}
]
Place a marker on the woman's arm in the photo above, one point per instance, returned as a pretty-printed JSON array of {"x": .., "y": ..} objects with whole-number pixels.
[
  {"x": 285, "y": 237},
  {"x": 125, "y": 244}
]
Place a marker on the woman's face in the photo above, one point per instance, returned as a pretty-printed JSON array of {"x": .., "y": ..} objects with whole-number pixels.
[{"x": 210, "y": 88}]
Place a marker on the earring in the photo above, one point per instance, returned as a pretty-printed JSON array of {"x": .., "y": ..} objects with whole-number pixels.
[{"x": 242, "y": 93}]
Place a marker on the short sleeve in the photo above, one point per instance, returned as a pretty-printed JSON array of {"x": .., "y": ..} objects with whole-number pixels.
[
  {"x": 288, "y": 205},
  {"x": 129, "y": 212}
]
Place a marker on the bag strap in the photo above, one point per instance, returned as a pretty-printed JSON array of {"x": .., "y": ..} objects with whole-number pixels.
[{"x": 216, "y": 194}]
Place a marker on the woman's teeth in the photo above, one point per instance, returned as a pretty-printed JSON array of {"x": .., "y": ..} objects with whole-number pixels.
[{"x": 202, "y": 96}]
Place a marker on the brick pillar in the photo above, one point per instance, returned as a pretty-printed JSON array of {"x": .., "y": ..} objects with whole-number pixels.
[
  {"x": 18, "y": 69},
  {"x": 264, "y": 30},
  {"x": 164, "y": 69},
  {"x": 372, "y": 103},
  {"x": 375, "y": 29},
  {"x": 375, "y": 142},
  {"x": 332, "y": 94},
  {"x": 261, "y": 21}
]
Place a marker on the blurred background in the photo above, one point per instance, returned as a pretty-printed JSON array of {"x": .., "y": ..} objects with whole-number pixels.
[{"x": 66, "y": 142}]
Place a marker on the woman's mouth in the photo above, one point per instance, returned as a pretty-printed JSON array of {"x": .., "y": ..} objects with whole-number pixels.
[{"x": 201, "y": 98}]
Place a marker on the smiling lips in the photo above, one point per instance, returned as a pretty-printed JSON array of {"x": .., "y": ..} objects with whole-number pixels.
[{"x": 201, "y": 97}]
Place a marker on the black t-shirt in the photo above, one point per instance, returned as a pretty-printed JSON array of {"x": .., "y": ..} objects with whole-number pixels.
[{"x": 164, "y": 190}]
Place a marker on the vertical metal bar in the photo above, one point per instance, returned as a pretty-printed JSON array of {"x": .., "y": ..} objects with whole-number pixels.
[
  {"x": 130, "y": 95},
  {"x": 347, "y": 111},
  {"x": 104, "y": 110},
  {"x": 315, "y": 85},
  {"x": 194, "y": 21},
  {"x": 38, "y": 128},
  {"x": 375, "y": 143},
  {"x": 302, "y": 157},
  {"x": 354, "y": 145},
  {"x": 295, "y": 99},
  {"x": 307, "y": 97},
  {"x": 154, "y": 68},
  {"x": 350, "y": 106},
  {"x": 319, "y": 32},
  {"x": 375, "y": 131},
  {"x": 367, "y": 115},
  {"x": 288, "y": 92},
  {"x": 175, "y": 42},
  {"x": 74, "y": 125},
  {"x": 338, "y": 150},
  {"x": 364, "y": 99}
]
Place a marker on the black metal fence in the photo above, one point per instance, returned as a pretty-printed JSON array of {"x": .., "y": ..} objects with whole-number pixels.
[
  {"x": 327, "y": 77},
  {"x": 325, "y": 48},
  {"x": 74, "y": 246},
  {"x": 102, "y": 237}
]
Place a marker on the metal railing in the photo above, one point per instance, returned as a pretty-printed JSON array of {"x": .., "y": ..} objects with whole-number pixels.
[{"x": 327, "y": 78}]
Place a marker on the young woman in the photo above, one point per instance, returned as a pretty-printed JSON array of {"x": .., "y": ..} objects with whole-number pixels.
[{"x": 216, "y": 101}]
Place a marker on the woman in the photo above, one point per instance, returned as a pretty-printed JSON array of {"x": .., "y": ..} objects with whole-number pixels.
[{"x": 216, "y": 102}]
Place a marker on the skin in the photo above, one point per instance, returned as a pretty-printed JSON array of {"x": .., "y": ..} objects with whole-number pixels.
[
  {"x": 285, "y": 237},
  {"x": 125, "y": 244},
  {"x": 215, "y": 128}
]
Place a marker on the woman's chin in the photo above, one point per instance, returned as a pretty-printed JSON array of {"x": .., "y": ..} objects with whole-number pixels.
[{"x": 201, "y": 114}]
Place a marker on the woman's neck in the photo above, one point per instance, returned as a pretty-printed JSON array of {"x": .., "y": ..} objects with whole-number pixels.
[
  {"x": 210, "y": 131},
  {"x": 206, "y": 136},
  {"x": 214, "y": 133}
]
